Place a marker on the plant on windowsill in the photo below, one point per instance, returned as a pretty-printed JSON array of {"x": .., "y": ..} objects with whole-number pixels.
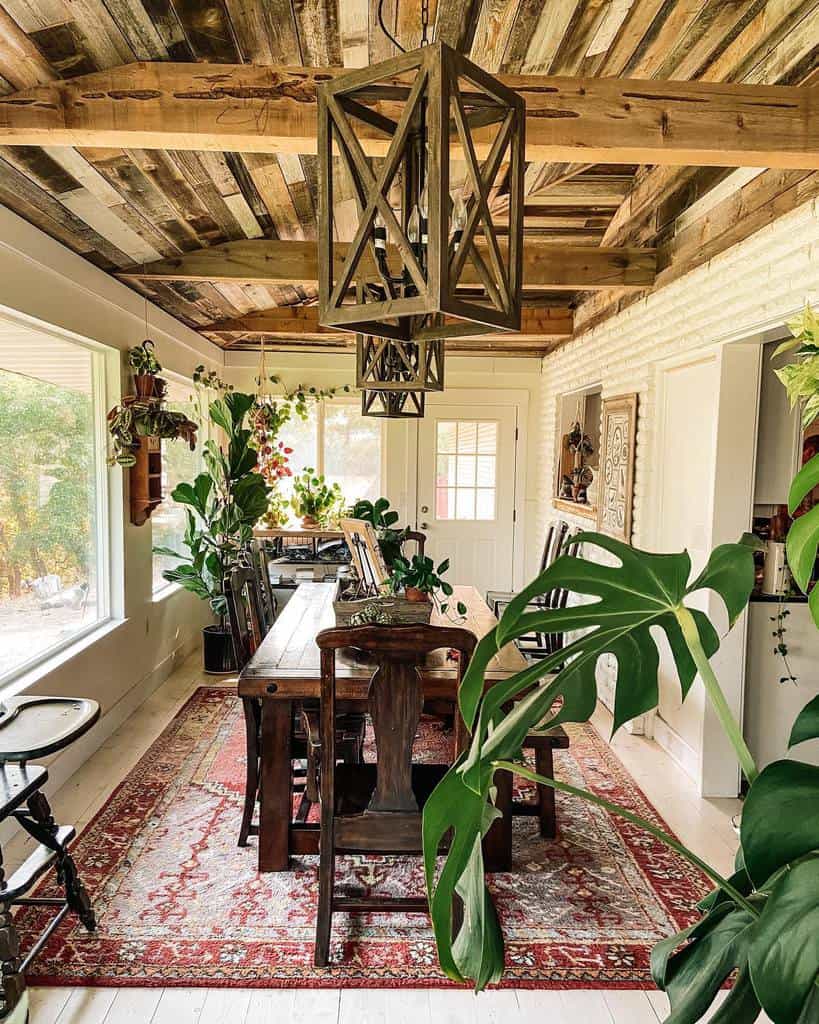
[
  {"x": 223, "y": 504},
  {"x": 420, "y": 581},
  {"x": 314, "y": 501}
]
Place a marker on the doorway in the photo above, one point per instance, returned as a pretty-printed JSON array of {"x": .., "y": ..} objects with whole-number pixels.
[{"x": 467, "y": 481}]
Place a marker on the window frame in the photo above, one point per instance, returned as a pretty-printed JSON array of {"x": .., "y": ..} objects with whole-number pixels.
[
  {"x": 321, "y": 414},
  {"x": 105, "y": 387},
  {"x": 202, "y": 435}
]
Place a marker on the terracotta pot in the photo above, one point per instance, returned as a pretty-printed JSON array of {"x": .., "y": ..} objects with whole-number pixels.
[
  {"x": 416, "y": 595},
  {"x": 309, "y": 522},
  {"x": 144, "y": 384}
]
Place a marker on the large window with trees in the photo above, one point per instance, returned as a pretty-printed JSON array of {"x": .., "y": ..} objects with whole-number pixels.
[
  {"x": 53, "y": 489},
  {"x": 339, "y": 442}
]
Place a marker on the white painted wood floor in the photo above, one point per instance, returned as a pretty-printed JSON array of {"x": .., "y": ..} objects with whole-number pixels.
[{"x": 705, "y": 825}]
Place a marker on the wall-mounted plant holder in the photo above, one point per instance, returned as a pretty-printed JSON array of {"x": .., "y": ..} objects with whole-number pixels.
[{"x": 146, "y": 480}]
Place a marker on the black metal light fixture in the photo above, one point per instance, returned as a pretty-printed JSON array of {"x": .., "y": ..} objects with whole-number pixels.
[
  {"x": 422, "y": 143},
  {"x": 393, "y": 405},
  {"x": 386, "y": 365}
]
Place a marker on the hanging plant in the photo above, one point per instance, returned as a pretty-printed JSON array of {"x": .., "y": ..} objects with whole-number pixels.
[
  {"x": 146, "y": 366},
  {"x": 142, "y": 417}
]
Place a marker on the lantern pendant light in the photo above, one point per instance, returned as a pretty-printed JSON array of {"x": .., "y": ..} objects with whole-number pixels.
[
  {"x": 386, "y": 365},
  {"x": 430, "y": 149},
  {"x": 393, "y": 405}
]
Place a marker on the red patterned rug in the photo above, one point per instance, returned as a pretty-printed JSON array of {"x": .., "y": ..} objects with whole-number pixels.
[{"x": 179, "y": 903}]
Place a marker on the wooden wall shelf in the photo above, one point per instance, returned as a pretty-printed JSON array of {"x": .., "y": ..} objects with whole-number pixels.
[{"x": 146, "y": 480}]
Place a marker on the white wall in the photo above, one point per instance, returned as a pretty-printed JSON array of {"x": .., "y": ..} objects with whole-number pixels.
[
  {"x": 746, "y": 293},
  {"x": 482, "y": 375},
  {"x": 43, "y": 283}
]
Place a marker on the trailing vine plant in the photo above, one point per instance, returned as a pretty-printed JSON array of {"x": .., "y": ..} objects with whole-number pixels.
[{"x": 780, "y": 636}]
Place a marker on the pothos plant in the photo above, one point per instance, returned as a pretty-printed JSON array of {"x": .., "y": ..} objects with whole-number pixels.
[
  {"x": 763, "y": 921},
  {"x": 420, "y": 573}
]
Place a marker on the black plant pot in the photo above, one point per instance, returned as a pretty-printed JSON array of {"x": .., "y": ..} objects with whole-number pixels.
[{"x": 217, "y": 648}]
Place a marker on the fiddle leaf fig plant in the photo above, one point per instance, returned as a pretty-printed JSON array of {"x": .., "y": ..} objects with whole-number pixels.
[{"x": 222, "y": 506}]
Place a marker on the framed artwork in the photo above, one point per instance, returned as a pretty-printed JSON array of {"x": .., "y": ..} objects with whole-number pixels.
[
  {"x": 616, "y": 473},
  {"x": 365, "y": 552}
]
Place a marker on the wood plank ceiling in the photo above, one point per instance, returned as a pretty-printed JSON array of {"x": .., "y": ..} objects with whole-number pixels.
[{"x": 125, "y": 208}]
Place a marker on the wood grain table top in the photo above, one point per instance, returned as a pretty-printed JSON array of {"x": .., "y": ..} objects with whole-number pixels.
[{"x": 287, "y": 664}]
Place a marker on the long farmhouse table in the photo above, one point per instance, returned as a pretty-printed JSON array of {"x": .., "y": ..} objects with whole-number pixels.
[{"x": 286, "y": 669}]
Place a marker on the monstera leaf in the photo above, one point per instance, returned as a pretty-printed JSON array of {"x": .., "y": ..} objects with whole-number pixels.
[
  {"x": 623, "y": 602},
  {"x": 803, "y": 537}
]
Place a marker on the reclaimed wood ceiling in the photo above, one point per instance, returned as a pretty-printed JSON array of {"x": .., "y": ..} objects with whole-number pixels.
[{"x": 125, "y": 208}]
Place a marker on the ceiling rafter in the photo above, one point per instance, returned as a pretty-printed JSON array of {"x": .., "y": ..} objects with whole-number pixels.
[{"x": 244, "y": 108}]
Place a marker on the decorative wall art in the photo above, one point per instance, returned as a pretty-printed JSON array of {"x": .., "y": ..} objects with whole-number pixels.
[{"x": 616, "y": 477}]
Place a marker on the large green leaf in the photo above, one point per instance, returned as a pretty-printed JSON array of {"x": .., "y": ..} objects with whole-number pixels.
[
  {"x": 780, "y": 818},
  {"x": 803, "y": 537},
  {"x": 784, "y": 955},
  {"x": 696, "y": 973},
  {"x": 806, "y": 726},
  {"x": 643, "y": 591},
  {"x": 741, "y": 1005}
]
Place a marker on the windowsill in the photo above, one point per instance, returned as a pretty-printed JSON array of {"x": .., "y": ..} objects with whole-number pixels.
[
  {"x": 52, "y": 662},
  {"x": 575, "y": 508},
  {"x": 158, "y": 596}
]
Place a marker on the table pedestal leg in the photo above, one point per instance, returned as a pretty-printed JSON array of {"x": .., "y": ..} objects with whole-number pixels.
[{"x": 275, "y": 797}]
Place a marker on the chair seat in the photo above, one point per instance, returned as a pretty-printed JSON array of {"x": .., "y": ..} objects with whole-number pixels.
[{"x": 379, "y": 831}]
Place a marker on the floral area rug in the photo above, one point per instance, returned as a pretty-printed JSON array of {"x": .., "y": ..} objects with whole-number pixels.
[{"x": 178, "y": 903}]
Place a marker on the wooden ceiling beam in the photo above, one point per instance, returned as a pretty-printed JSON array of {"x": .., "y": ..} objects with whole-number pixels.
[
  {"x": 245, "y": 108},
  {"x": 261, "y": 261},
  {"x": 538, "y": 324}
]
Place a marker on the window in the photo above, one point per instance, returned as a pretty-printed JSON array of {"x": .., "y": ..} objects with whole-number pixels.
[
  {"x": 340, "y": 443},
  {"x": 466, "y": 462},
  {"x": 179, "y": 465},
  {"x": 53, "y": 494}
]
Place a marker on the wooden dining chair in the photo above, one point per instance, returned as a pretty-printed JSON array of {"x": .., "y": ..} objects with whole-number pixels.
[
  {"x": 248, "y": 629},
  {"x": 261, "y": 566},
  {"x": 417, "y": 538},
  {"x": 376, "y": 808}
]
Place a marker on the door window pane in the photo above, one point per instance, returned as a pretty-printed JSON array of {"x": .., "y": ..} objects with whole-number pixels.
[
  {"x": 465, "y": 482},
  {"x": 179, "y": 465},
  {"x": 52, "y": 533}
]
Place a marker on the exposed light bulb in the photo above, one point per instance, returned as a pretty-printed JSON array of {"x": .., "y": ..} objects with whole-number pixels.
[
  {"x": 458, "y": 220},
  {"x": 380, "y": 234},
  {"x": 414, "y": 226}
]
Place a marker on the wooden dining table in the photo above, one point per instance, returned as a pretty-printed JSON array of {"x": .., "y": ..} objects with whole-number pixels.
[{"x": 286, "y": 669}]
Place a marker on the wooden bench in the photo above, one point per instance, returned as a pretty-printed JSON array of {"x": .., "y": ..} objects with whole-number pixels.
[{"x": 543, "y": 744}]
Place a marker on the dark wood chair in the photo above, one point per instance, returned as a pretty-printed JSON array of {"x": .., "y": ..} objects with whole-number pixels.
[
  {"x": 248, "y": 628},
  {"x": 261, "y": 565},
  {"x": 376, "y": 808},
  {"x": 417, "y": 538},
  {"x": 538, "y": 644}
]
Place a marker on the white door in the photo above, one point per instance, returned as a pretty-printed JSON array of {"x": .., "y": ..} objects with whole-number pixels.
[{"x": 466, "y": 491}]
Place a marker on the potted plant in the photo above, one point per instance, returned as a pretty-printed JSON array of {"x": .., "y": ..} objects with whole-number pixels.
[
  {"x": 223, "y": 504},
  {"x": 278, "y": 510},
  {"x": 315, "y": 501},
  {"x": 421, "y": 581},
  {"x": 140, "y": 417},
  {"x": 383, "y": 520},
  {"x": 145, "y": 367}
]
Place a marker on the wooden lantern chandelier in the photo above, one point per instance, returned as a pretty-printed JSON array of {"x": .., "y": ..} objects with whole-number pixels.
[{"x": 421, "y": 144}]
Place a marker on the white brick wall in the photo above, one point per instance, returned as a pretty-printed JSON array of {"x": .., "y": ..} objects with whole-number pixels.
[{"x": 755, "y": 286}]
